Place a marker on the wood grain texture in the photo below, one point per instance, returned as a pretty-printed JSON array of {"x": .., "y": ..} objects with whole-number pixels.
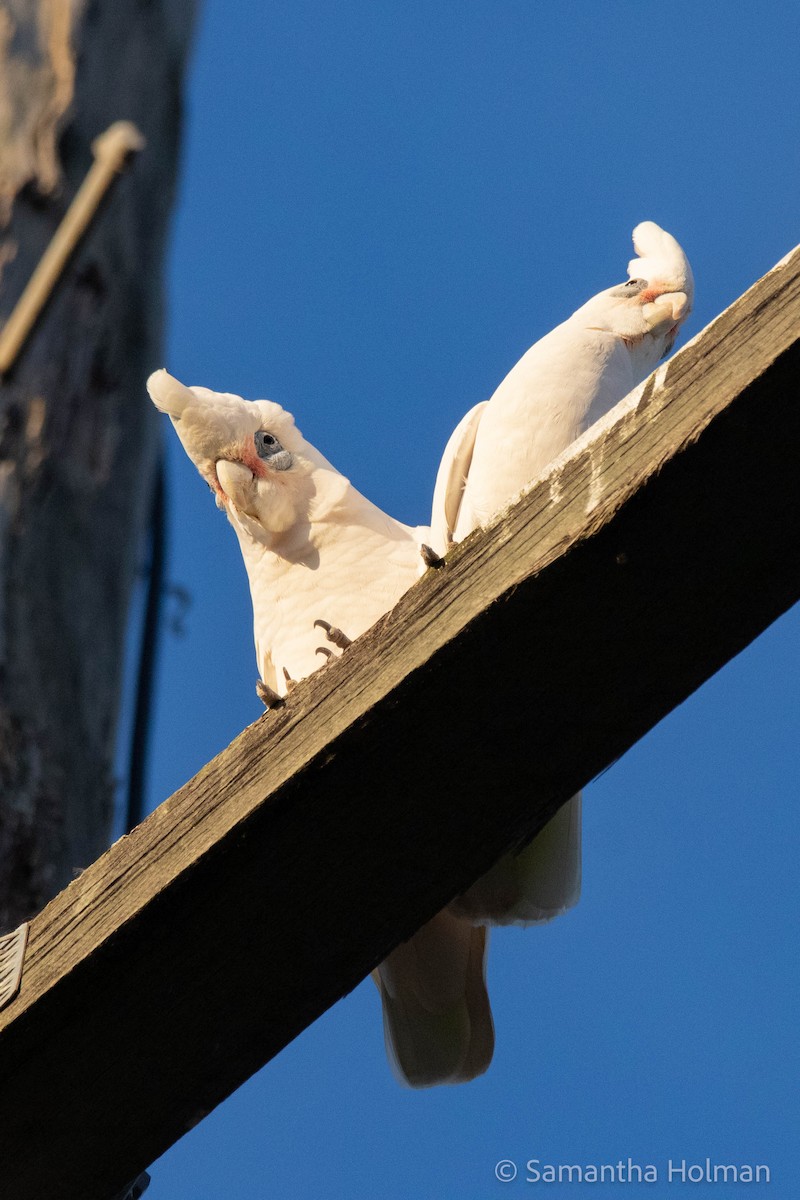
[
  {"x": 79, "y": 439},
  {"x": 332, "y": 828}
]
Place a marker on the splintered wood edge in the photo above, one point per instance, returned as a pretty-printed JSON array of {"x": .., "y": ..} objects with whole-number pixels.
[{"x": 12, "y": 955}]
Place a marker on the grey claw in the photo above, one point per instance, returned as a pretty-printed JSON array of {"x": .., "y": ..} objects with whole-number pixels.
[
  {"x": 335, "y": 635},
  {"x": 267, "y": 696},
  {"x": 430, "y": 557},
  {"x": 324, "y": 650},
  {"x": 289, "y": 681}
]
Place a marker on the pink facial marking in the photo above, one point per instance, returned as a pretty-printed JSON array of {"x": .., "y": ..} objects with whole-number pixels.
[{"x": 247, "y": 455}]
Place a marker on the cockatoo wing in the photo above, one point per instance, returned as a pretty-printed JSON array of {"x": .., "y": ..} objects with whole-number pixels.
[
  {"x": 436, "y": 1016},
  {"x": 451, "y": 479}
]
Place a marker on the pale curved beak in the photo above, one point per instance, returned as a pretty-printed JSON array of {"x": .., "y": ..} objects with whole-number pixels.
[
  {"x": 669, "y": 308},
  {"x": 238, "y": 483},
  {"x": 679, "y": 303}
]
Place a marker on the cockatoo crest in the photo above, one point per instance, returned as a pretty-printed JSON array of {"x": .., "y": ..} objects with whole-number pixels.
[
  {"x": 661, "y": 262},
  {"x": 655, "y": 301},
  {"x": 251, "y": 455}
]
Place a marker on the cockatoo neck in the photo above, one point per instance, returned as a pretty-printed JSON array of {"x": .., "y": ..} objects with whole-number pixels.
[{"x": 284, "y": 513}]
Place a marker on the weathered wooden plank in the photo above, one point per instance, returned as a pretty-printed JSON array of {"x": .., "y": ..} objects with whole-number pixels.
[{"x": 265, "y": 888}]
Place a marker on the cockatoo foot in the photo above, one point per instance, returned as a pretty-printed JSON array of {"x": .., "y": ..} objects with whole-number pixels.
[
  {"x": 335, "y": 635},
  {"x": 267, "y": 696},
  {"x": 430, "y": 557},
  {"x": 289, "y": 681}
]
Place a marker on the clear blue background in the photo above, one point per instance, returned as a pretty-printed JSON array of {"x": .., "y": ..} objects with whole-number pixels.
[{"x": 383, "y": 204}]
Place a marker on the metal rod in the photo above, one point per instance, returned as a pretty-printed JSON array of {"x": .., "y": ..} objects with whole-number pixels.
[{"x": 111, "y": 151}]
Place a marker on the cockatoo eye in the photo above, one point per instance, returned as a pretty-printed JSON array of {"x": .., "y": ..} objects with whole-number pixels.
[
  {"x": 269, "y": 448},
  {"x": 625, "y": 290}
]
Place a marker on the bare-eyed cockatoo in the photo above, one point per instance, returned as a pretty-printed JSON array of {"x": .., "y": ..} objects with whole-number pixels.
[
  {"x": 562, "y": 385},
  {"x": 320, "y": 555}
]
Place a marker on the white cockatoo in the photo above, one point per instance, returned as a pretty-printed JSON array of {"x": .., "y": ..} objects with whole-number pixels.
[
  {"x": 315, "y": 549},
  {"x": 561, "y": 386},
  {"x": 319, "y": 555}
]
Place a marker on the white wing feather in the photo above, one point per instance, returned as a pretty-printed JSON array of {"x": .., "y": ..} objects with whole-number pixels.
[{"x": 451, "y": 478}]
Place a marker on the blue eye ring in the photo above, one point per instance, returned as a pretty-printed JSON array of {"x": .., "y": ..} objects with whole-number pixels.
[{"x": 271, "y": 451}]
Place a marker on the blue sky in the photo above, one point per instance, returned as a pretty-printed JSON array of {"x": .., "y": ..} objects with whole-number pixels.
[{"x": 382, "y": 205}]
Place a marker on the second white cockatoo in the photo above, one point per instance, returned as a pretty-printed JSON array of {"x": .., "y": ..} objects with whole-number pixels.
[
  {"x": 561, "y": 386},
  {"x": 319, "y": 555}
]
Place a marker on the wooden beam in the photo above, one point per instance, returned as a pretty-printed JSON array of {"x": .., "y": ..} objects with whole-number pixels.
[{"x": 268, "y": 886}]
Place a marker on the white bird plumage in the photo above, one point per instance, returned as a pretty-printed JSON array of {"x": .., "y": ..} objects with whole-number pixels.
[
  {"x": 315, "y": 548},
  {"x": 561, "y": 385}
]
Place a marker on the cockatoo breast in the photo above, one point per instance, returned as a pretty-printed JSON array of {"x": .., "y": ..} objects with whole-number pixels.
[{"x": 350, "y": 572}]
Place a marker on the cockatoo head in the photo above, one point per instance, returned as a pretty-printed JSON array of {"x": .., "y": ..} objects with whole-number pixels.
[
  {"x": 655, "y": 301},
  {"x": 250, "y": 453}
]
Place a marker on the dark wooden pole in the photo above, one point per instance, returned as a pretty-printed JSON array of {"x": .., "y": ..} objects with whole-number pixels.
[{"x": 78, "y": 437}]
